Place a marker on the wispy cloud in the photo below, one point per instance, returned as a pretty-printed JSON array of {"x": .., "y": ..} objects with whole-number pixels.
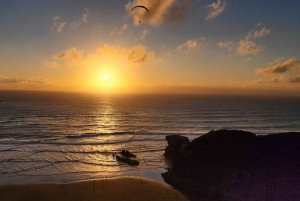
[
  {"x": 71, "y": 57},
  {"x": 295, "y": 79},
  {"x": 119, "y": 32},
  {"x": 82, "y": 20},
  {"x": 56, "y": 18},
  {"x": 276, "y": 62},
  {"x": 279, "y": 68},
  {"x": 189, "y": 46},
  {"x": 144, "y": 34},
  {"x": 136, "y": 55},
  {"x": 31, "y": 80},
  {"x": 58, "y": 24},
  {"x": 192, "y": 45},
  {"x": 132, "y": 56},
  {"x": 278, "y": 79},
  {"x": 51, "y": 64},
  {"x": 85, "y": 15},
  {"x": 260, "y": 33},
  {"x": 61, "y": 26},
  {"x": 225, "y": 44},
  {"x": 247, "y": 46},
  {"x": 215, "y": 9},
  {"x": 160, "y": 11}
]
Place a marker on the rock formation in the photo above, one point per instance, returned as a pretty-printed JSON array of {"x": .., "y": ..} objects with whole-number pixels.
[
  {"x": 235, "y": 165},
  {"x": 126, "y": 157}
]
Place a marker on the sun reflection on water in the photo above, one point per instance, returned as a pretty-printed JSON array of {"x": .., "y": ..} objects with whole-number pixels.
[{"x": 106, "y": 117}]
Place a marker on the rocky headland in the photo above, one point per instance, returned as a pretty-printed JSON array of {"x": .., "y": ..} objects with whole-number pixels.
[{"x": 235, "y": 165}]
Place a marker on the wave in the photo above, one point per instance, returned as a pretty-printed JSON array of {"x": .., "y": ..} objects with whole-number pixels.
[
  {"x": 39, "y": 142},
  {"x": 104, "y": 138},
  {"x": 22, "y": 157},
  {"x": 91, "y": 135},
  {"x": 135, "y": 133}
]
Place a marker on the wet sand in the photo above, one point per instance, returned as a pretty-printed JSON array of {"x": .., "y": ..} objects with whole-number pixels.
[{"x": 117, "y": 189}]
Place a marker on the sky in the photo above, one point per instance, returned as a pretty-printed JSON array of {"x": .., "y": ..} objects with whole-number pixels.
[{"x": 180, "y": 46}]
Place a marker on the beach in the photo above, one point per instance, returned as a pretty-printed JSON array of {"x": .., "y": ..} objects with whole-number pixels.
[{"x": 116, "y": 189}]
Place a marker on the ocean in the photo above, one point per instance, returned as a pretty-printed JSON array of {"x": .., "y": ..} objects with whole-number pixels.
[{"x": 65, "y": 137}]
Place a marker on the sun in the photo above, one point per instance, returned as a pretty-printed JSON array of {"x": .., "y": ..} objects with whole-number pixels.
[{"x": 106, "y": 77}]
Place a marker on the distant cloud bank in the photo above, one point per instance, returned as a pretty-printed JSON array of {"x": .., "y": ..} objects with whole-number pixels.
[{"x": 7, "y": 80}]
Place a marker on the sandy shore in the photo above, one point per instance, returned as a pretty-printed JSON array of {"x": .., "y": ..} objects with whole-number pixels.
[{"x": 118, "y": 189}]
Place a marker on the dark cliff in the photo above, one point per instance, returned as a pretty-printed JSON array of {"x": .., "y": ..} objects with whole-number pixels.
[{"x": 236, "y": 165}]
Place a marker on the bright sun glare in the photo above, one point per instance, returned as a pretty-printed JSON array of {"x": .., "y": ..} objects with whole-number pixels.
[{"x": 105, "y": 77}]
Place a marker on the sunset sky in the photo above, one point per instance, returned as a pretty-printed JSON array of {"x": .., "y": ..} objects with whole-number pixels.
[{"x": 181, "y": 46}]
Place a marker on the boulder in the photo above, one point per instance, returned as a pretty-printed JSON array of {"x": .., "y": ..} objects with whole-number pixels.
[{"x": 176, "y": 146}]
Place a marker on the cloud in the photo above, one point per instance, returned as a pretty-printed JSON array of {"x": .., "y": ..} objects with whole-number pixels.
[
  {"x": 56, "y": 18},
  {"x": 160, "y": 11},
  {"x": 226, "y": 44},
  {"x": 82, "y": 20},
  {"x": 145, "y": 34},
  {"x": 7, "y": 80},
  {"x": 191, "y": 46},
  {"x": 272, "y": 80},
  {"x": 71, "y": 57},
  {"x": 278, "y": 79},
  {"x": 51, "y": 64},
  {"x": 258, "y": 33},
  {"x": 215, "y": 9},
  {"x": 247, "y": 47},
  {"x": 61, "y": 26},
  {"x": 85, "y": 15},
  {"x": 261, "y": 33},
  {"x": 295, "y": 80},
  {"x": 279, "y": 68},
  {"x": 179, "y": 11},
  {"x": 276, "y": 62},
  {"x": 241, "y": 88},
  {"x": 259, "y": 24},
  {"x": 58, "y": 23},
  {"x": 125, "y": 26},
  {"x": 117, "y": 32},
  {"x": 248, "y": 59},
  {"x": 135, "y": 55}
]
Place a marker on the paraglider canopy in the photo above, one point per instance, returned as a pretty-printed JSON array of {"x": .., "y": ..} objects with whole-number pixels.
[{"x": 140, "y": 7}]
